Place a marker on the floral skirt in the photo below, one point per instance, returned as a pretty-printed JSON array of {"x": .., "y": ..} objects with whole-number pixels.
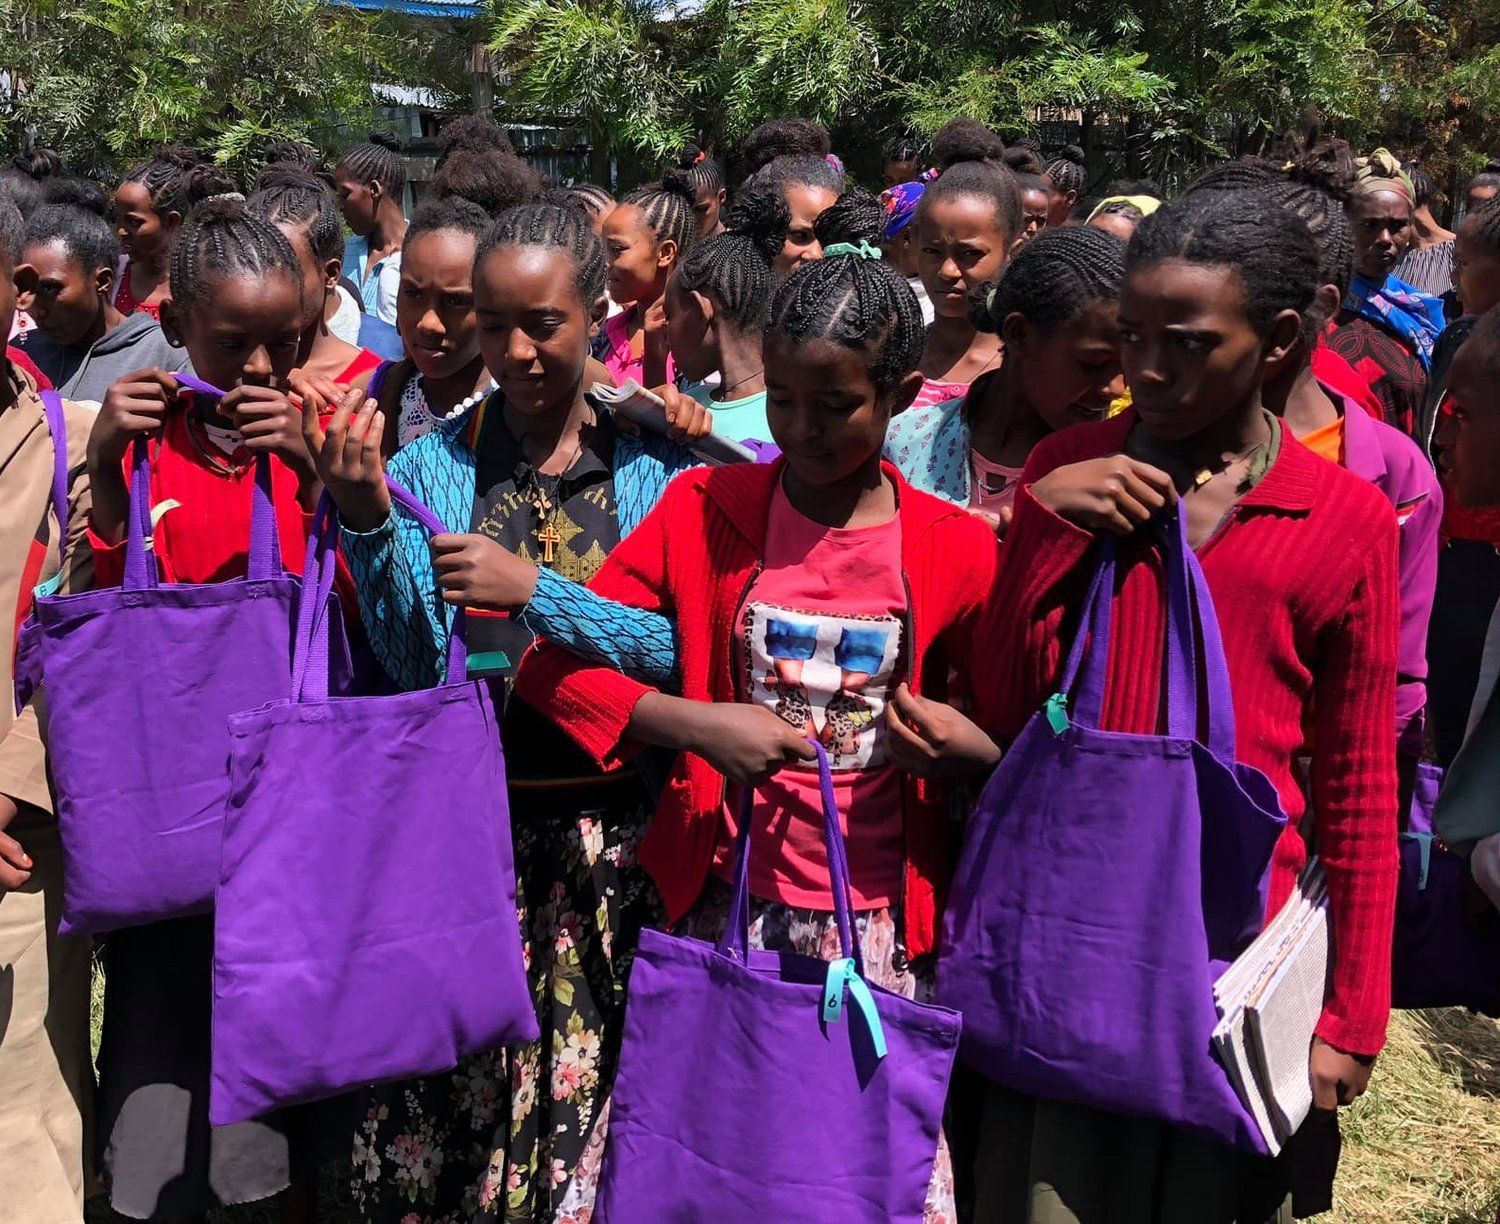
[
  {"x": 503, "y": 1134},
  {"x": 780, "y": 928}
]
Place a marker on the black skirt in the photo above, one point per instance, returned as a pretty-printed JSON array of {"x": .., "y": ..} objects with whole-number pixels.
[{"x": 158, "y": 1155}]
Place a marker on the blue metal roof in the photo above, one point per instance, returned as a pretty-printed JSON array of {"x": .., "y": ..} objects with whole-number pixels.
[{"x": 419, "y": 8}]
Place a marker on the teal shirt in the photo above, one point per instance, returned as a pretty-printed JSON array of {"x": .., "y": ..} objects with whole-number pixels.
[{"x": 741, "y": 420}]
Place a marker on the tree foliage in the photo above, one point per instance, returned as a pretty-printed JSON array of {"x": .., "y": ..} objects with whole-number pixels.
[{"x": 106, "y": 80}]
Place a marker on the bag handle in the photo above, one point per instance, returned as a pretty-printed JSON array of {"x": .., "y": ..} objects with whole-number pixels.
[
  {"x": 1192, "y": 627},
  {"x": 57, "y": 425},
  {"x": 141, "y": 569},
  {"x": 310, "y": 653},
  {"x": 846, "y": 974}
]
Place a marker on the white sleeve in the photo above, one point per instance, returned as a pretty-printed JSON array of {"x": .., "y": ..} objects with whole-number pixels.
[{"x": 386, "y": 289}]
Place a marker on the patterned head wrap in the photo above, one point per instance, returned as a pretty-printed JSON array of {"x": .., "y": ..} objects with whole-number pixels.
[
  {"x": 900, "y": 204},
  {"x": 1382, "y": 172}
]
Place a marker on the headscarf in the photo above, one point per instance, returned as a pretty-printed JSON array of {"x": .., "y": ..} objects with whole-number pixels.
[
  {"x": 900, "y": 204},
  {"x": 1415, "y": 316},
  {"x": 1381, "y": 171},
  {"x": 1143, "y": 204}
]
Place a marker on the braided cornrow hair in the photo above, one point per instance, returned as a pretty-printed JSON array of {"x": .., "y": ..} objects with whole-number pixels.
[
  {"x": 377, "y": 160},
  {"x": 168, "y": 177},
  {"x": 733, "y": 269},
  {"x": 1052, "y": 278},
  {"x": 552, "y": 227},
  {"x": 1065, "y": 170},
  {"x": 862, "y": 304},
  {"x": 294, "y": 196},
  {"x": 1270, "y": 249},
  {"x": 668, "y": 209},
  {"x": 222, "y": 238},
  {"x": 595, "y": 199},
  {"x": 1483, "y": 225},
  {"x": 1247, "y": 174},
  {"x": 1317, "y": 190},
  {"x": 699, "y": 170},
  {"x": 855, "y": 217}
]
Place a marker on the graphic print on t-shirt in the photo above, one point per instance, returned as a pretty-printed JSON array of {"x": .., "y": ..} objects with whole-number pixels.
[{"x": 828, "y": 677}]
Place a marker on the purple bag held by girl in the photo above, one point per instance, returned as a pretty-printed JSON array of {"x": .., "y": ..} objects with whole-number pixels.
[
  {"x": 365, "y": 924},
  {"x": 1106, "y": 880},
  {"x": 757, "y": 1086},
  {"x": 140, "y": 680}
]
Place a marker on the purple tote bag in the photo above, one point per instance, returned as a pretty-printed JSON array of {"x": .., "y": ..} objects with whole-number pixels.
[
  {"x": 1107, "y": 879},
  {"x": 757, "y": 1086},
  {"x": 140, "y": 680},
  {"x": 365, "y": 925}
]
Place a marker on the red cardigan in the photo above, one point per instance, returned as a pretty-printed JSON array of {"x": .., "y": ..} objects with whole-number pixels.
[
  {"x": 693, "y": 558},
  {"x": 1304, "y": 582}
]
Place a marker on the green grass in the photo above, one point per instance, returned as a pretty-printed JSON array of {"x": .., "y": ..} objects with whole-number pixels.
[{"x": 1422, "y": 1147}]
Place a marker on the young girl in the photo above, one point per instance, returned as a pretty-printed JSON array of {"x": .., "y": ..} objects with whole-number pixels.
[
  {"x": 701, "y": 173},
  {"x": 1067, "y": 177},
  {"x": 1036, "y": 196},
  {"x": 716, "y": 304},
  {"x": 643, "y": 239},
  {"x": 902, "y": 162},
  {"x": 46, "y": 1076},
  {"x": 1386, "y": 328},
  {"x": 443, "y": 375},
  {"x": 1332, "y": 426},
  {"x": 543, "y": 485},
  {"x": 808, "y": 594},
  {"x": 237, "y": 308},
  {"x": 1055, "y": 310},
  {"x": 370, "y": 179},
  {"x": 967, "y": 222},
  {"x": 1301, "y": 560},
  {"x": 810, "y": 186},
  {"x": 150, "y": 204},
  {"x": 66, "y": 279},
  {"x": 304, "y": 209}
]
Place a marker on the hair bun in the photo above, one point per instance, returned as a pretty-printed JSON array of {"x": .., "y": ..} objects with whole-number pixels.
[
  {"x": 1023, "y": 160},
  {"x": 179, "y": 156},
  {"x": 37, "y": 163},
  {"x": 386, "y": 139},
  {"x": 677, "y": 182},
  {"x": 760, "y": 213},
  {"x": 78, "y": 193},
  {"x": 966, "y": 140},
  {"x": 855, "y": 218},
  {"x": 1328, "y": 166},
  {"x": 690, "y": 155}
]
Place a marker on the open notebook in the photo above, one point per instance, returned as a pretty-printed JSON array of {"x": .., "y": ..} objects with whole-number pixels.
[
  {"x": 1269, "y": 1002},
  {"x": 646, "y": 411}
]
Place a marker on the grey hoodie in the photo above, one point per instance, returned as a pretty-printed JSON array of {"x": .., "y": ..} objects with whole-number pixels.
[{"x": 84, "y": 373}]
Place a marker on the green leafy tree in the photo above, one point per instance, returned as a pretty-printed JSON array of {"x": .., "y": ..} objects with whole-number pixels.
[{"x": 106, "y": 80}]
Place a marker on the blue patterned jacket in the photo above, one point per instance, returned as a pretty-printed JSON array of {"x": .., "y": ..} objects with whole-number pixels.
[{"x": 399, "y": 602}]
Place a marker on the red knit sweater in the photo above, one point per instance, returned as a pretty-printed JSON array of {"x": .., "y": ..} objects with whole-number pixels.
[
  {"x": 693, "y": 558},
  {"x": 1304, "y": 582}
]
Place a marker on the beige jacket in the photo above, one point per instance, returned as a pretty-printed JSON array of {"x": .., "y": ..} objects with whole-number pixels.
[{"x": 26, "y": 524}]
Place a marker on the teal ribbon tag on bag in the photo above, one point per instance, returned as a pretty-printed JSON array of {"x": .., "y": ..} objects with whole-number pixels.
[
  {"x": 1057, "y": 713},
  {"x": 49, "y": 587},
  {"x": 841, "y": 974},
  {"x": 488, "y": 661}
]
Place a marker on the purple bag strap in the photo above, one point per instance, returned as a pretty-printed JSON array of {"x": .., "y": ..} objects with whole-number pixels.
[
  {"x": 1191, "y": 626},
  {"x": 310, "y": 653},
  {"x": 57, "y": 425},
  {"x": 735, "y": 941},
  {"x": 141, "y": 569},
  {"x": 377, "y": 380}
]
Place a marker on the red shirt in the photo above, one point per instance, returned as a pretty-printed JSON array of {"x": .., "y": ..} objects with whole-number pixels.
[
  {"x": 693, "y": 558},
  {"x": 206, "y": 537},
  {"x": 364, "y": 361},
  {"x": 1335, "y": 372},
  {"x": 1304, "y": 582},
  {"x": 125, "y": 301},
  {"x": 22, "y": 362}
]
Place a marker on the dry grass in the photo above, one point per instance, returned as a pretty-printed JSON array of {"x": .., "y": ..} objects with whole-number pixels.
[{"x": 1423, "y": 1147}]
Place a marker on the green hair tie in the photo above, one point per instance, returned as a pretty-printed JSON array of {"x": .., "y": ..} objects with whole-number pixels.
[{"x": 863, "y": 251}]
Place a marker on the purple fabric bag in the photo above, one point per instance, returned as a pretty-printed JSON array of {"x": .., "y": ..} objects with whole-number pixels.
[
  {"x": 140, "y": 680},
  {"x": 737, "y": 1066},
  {"x": 1447, "y": 947},
  {"x": 365, "y": 924},
  {"x": 1107, "y": 879}
]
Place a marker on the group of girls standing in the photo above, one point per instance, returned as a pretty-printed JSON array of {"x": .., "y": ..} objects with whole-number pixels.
[{"x": 898, "y": 583}]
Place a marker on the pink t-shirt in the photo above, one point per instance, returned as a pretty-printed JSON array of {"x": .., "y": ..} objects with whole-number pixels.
[
  {"x": 934, "y": 392},
  {"x": 821, "y": 644},
  {"x": 624, "y": 367},
  {"x": 992, "y": 486}
]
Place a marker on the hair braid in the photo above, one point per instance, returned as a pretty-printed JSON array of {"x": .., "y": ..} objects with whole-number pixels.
[
  {"x": 377, "y": 160},
  {"x": 668, "y": 209},
  {"x": 1483, "y": 225},
  {"x": 1053, "y": 278},
  {"x": 552, "y": 227},
  {"x": 1066, "y": 171},
  {"x": 733, "y": 269},
  {"x": 223, "y": 239},
  {"x": 289, "y": 194},
  {"x": 859, "y": 303}
]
